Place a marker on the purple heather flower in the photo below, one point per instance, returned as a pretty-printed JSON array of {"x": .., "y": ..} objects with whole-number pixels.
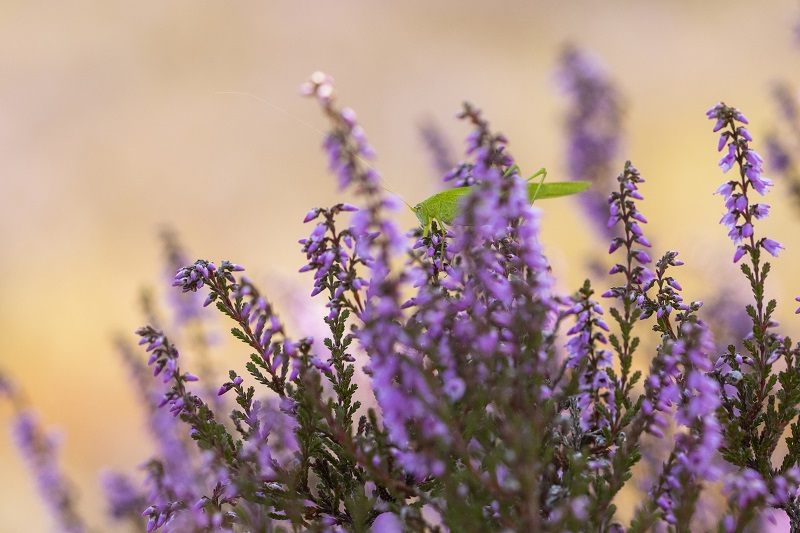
[
  {"x": 461, "y": 175},
  {"x": 184, "y": 305},
  {"x": 388, "y": 523},
  {"x": 771, "y": 246},
  {"x": 346, "y": 144},
  {"x": 745, "y": 487},
  {"x": 585, "y": 335},
  {"x": 623, "y": 211}
]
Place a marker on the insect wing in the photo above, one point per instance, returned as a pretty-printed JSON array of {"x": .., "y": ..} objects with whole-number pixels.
[{"x": 556, "y": 189}]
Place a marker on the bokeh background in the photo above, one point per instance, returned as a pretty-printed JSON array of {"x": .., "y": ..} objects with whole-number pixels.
[{"x": 116, "y": 119}]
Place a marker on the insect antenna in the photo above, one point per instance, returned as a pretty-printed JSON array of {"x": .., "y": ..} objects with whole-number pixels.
[
  {"x": 322, "y": 133},
  {"x": 290, "y": 115},
  {"x": 397, "y": 195}
]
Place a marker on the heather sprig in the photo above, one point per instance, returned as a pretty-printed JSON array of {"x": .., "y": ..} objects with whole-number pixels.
[
  {"x": 210, "y": 435},
  {"x": 692, "y": 463},
  {"x": 676, "y": 375},
  {"x": 348, "y": 153},
  {"x": 257, "y": 324},
  {"x": 615, "y": 432},
  {"x": 304, "y": 430},
  {"x": 334, "y": 261},
  {"x": 741, "y": 213},
  {"x": 754, "y": 413}
]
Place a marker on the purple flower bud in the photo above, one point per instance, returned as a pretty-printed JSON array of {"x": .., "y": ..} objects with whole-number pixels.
[
  {"x": 723, "y": 138},
  {"x": 641, "y": 256},
  {"x": 744, "y": 133}
]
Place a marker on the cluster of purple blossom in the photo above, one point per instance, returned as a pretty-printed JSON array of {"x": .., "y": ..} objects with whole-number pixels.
[
  {"x": 741, "y": 213},
  {"x": 487, "y": 416}
]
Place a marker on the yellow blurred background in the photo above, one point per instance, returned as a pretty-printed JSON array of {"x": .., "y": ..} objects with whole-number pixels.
[{"x": 114, "y": 122}]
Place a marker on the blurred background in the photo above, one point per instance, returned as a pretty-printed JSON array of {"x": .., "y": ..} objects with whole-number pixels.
[{"x": 118, "y": 119}]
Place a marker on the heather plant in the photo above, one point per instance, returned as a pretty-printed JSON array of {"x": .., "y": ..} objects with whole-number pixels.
[{"x": 499, "y": 404}]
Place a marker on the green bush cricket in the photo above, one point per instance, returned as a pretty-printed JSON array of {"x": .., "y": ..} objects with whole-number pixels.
[{"x": 443, "y": 207}]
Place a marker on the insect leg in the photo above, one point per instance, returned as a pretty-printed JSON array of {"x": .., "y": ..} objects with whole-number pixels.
[
  {"x": 543, "y": 173},
  {"x": 510, "y": 170},
  {"x": 444, "y": 234}
]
